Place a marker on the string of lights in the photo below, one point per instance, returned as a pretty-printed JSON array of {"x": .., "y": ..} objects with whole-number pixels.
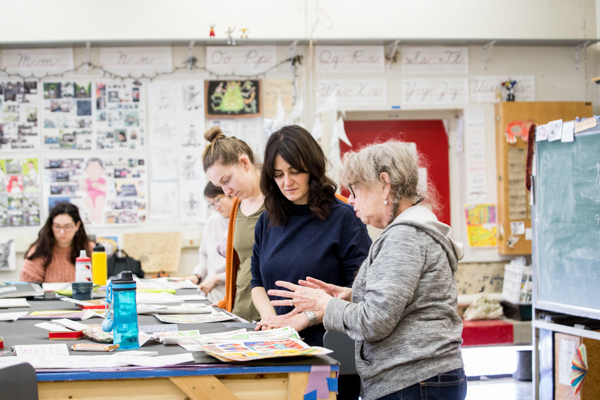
[{"x": 189, "y": 65}]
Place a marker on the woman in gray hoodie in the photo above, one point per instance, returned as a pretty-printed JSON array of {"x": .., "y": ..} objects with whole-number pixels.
[{"x": 401, "y": 310}]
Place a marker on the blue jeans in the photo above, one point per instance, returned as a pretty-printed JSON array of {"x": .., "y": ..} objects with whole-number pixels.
[{"x": 451, "y": 385}]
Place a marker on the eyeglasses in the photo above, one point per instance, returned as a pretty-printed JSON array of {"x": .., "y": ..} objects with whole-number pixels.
[
  {"x": 216, "y": 203},
  {"x": 66, "y": 228},
  {"x": 352, "y": 189}
]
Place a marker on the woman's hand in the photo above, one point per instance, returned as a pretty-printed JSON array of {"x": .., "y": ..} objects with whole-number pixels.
[
  {"x": 302, "y": 298},
  {"x": 340, "y": 292},
  {"x": 192, "y": 278},
  {"x": 299, "y": 322},
  {"x": 209, "y": 284}
]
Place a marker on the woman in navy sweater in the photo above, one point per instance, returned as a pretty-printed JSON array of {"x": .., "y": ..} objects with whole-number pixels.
[{"x": 305, "y": 230}]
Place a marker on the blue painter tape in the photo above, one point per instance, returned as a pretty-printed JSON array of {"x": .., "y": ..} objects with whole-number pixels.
[
  {"x": 333, "y": 384},
  {"x": 311, "y": 396},
  {"x": 395, "y": 107}
]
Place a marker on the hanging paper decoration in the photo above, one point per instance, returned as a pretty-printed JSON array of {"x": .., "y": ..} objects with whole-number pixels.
[
  {"x": 318, "y": 129},
  {"x": 579, "y": 368},
  {"x": 296, "y": 114},
  {"x": 280, "y": 118},
  {"x": 329, "y": 104},
  {"x": 339, "y": 133}
]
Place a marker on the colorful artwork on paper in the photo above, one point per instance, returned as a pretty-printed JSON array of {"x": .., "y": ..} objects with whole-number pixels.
[
  {"x": 481, "y": 225},
  {"x": 233, "y": 98}
]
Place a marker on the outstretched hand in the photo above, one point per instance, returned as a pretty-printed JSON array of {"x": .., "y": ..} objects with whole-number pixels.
[
  {"x": 340, "y": 292},
  {"x": 303, "y": 298}
]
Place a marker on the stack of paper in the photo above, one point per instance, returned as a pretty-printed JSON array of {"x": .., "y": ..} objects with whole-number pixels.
[
  {"x": 182, "y": 309},
  {"x": 248, "y": 350},
  {"x": 10, "y": 303},
  {"x": 215, "y": 316},
  {"x": 21, "y": 290}
]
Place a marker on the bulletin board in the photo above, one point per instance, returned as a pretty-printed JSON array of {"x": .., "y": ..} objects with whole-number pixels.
[{"x": 431, "y": 140}]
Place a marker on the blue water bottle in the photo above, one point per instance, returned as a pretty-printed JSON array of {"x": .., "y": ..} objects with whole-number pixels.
[{"x": 122, "y": 316}]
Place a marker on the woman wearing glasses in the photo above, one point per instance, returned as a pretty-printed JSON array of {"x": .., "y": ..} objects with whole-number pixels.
[
  {"x": 210, "y": 272},
  {"x": 52, "y": 257}
]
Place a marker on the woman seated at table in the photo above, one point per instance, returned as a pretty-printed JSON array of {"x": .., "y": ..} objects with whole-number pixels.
[
  {"x": 210, "y": 271},
  {"x": 305, "y": 230},
  {"x": 51, "y": 258},
  {"x": 401, "y": 310}
]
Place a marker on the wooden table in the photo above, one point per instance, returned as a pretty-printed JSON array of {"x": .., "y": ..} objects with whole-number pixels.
[{"x": 208, "y": 378}]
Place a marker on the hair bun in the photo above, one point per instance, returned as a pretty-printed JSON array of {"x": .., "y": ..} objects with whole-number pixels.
[{"x": 213, "y": 134}]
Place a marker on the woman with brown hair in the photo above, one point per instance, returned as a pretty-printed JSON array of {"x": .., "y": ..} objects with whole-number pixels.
[
  {"x": 51, "y": 258},
  {"x": 305, "y": 231},
  {"x": 229, "y": 163}
]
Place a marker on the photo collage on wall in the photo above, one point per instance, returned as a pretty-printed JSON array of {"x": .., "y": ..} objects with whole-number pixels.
[
  {"x": 19, "y": 192},
  {"x": 120, "y": 115},
  {"x": 67, "y": 115},
  {"x": 107, "y": 190},
  {"x": 19, "y": 103}
]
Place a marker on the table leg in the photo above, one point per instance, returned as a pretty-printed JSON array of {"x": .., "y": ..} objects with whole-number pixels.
[{"x": 203, "y": 387}]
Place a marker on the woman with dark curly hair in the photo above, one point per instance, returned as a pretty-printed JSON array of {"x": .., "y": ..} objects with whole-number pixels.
[
  {"x": 305, "y": 229},
  {"x": 51, "y": 258}
]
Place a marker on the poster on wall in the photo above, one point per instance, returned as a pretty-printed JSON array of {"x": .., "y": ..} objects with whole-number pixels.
[
  {"x": 120, "y": 115},
  {"x": 176, "y": 140},
  {"x": 481, "y": 225},
  {"x": 19, "y": 192},
  {"x": 19, "y": 110},
  {"x": 233, "y": 98},
  {"x": 107, "y": 190},
  {"x": 7, "y": 254},
  {"x": 67, "y": 115}
]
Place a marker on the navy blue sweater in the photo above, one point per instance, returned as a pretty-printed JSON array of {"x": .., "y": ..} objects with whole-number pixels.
[{"x": 331, "y": 250}]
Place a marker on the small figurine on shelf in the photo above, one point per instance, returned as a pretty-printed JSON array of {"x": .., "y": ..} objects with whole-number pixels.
[
  {"x": 230, "y": 39},
  {"x": 244, "y": 33},
  {"x": 212, "y": 31},
  {"x": 509, "y": 85},
  {"x": 498, "y": 96}
]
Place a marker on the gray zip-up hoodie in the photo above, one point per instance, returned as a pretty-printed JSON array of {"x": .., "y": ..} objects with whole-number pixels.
[{"x": 403, "y": 311}]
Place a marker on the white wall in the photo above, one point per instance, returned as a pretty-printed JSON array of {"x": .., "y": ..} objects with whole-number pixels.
[{"x": 39, "y": 21}]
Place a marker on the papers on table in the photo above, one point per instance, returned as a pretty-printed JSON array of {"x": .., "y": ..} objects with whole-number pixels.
[
  {"x": 55, "y": 286},
  {"x": 194, "y": 336},
  {"x": 259, "y": 349},
  {"x": 52, "y": 327},
  {"x": 41, "y": 350},
  {"x": 165, "y": 298},
  {"x": 10, "y": 303},
  {"x": 11, "y": 316},
  {"x": 165, "y": 283},
  {"x": 86, "y": 362},
  {"x": 21, "y": 290},
  {"x": 216, "y": 316},
  {"x": 182, "y": 309}
]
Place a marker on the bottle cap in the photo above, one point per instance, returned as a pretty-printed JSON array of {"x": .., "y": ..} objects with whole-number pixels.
[
  {"x": 99, "y": 248},
  {"x": 82, "y": 257},
  {"x": 126, "y": 279}
]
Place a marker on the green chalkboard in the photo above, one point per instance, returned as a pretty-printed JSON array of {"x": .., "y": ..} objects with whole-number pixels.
[{"x": 567, "y": 196}]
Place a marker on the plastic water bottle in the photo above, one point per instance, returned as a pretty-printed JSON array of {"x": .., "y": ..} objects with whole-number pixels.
[
  {"x": 125, "y": 332},
  {"x": 83, "y": 268},
  {"x": 99, "y": 265}
]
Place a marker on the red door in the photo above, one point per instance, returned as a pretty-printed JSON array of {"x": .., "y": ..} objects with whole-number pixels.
[{"x": 430, "y": 138}]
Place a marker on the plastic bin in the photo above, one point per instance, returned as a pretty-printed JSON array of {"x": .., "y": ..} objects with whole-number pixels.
[{"x": 517, "y": 285}]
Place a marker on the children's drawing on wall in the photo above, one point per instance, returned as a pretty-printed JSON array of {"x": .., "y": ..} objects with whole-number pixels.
[
  {"x": 94, "y": 186},
  {"x": 107, "y": 190},
  {"x": 233, "y": 98},
  {"x": 193, "y": 207},
  {"x": 191, "y": 136},
  {"x": 19, "y": 192},
  {"x": 19, "y": 103},
  {"x": 193, "y": 94},
  {"x": 67, "y": 115},
  {"x": 120, "y": 115},
  {"x": 481, "y": 224},
  {"x": 189, "y": 167},
  {"x": 164, "y": 200},
  {"x": 7, "y": 254}
]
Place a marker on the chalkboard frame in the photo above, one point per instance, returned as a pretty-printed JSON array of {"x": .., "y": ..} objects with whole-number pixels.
[{"x": 540, "y": 303}]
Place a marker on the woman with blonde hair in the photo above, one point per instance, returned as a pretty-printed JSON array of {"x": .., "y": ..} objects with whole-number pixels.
[
  {"x": 229, "y": 163},
  {"x": 401, "y": 310}
]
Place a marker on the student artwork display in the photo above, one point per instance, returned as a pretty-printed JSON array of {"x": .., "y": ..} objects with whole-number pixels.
[
  {"x": 120, "y": 115},
  {"x": 233, "y": 98},
  {"x": 67, "y": 115},
  {"x": 481, "y": 224},
  {"x": 19, "y": 103},
  {"x": 19, "y": 192},
  {"x": 176, "y": 139},
  {"x": 7, "y": 254},
  {"x": 107, "y": 190},
  {"x": 103, "y": 115}
]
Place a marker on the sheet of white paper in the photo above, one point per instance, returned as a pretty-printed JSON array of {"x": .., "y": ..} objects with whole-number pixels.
[
  {"x": 474, "y": 127},
  {"x": 53, "y": 327},
  {"x": 517, "y": 227},
  {"x": 74, "y": 325},
  {"x": 164, "y": 200},
  {"x": 54, "y": 286},
  {"x": 155, "y": 362},
  {"x": 9, "y": 303},
  {"x": 434, "y": 60},
  {"x": 541, "y": 133},
  {"x": 11, "y": 316},
  {"x": 555, "y": 130},
  {"x": 66, "y": 362},
  {"x": 528, "y": 234},
  {"x": 139, "y": 353},
  {"x": 432, "y": 91},
  {"x": 70, "y": 300},
  {"x": 565, "y": 361},
  {"x": 568, "y": 130},
  {"x": 59, "y": 349},
  {"x": 352, "y": 92}
]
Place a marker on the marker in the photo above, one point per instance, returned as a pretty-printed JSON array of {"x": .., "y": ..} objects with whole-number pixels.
[{"x": 395, "y": 107}]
